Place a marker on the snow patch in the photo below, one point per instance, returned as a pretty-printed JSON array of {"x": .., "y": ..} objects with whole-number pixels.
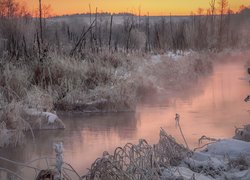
[
  {"x": 43, "y": 120},
  {"x": 230, "y": 147}
]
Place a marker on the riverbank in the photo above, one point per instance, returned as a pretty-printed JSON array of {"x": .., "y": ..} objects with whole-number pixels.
[
  {"x": 220, "y": 159},
  {"x": 98, "y": 83},
  {"x": 109, "y": 83}
]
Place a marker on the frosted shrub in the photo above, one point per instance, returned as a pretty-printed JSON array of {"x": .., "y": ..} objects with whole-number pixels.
[
  {"x": 96, "y": 83},
  {"x": 15, "y": 82},
  {"x": 39, "y": 99},
  {"x": 12, "y": 125},
  {"x": 139, "y": 161}
]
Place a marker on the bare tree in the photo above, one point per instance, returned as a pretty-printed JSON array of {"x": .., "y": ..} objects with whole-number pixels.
[
  {"x": 212, "y": 21},
  {"x": 147, "y": 48},
  {"x": 40, "y": 20},
  {"x": 212, "y": 9},
  {"x": 139, "y": 17},
  {"x": 9, "y": 8},
  {"x": 223, "y": 4},
  {"x": 110, "y": 31},
  {"x": 46, "y": 12}
]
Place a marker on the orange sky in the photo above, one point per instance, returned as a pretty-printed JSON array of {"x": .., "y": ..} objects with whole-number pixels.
[{"x": 154, "y": 7}]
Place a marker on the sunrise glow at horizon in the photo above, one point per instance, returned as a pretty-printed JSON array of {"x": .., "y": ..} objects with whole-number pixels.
[{"x": 153, "y": 7}]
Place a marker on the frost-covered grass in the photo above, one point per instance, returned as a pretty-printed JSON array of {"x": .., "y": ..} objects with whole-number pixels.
[
  {"x": 165, "y": 73},
  {"x": 223, "y": 159},
  {"x": 95, "y": 83},
  {"x": 12, "y": 125},
  {"x": 101, "y": 82}
]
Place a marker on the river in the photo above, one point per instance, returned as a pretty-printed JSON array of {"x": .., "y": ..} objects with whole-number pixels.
[{"x": 213, "y": 106}]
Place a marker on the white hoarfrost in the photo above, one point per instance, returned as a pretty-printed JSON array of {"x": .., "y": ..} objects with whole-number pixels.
[
  {"x": 224, "y": 159},
  {"x": 182, "y": 173},
  {"x": 178, "y": 54},
  {"x": 230, "y": 147},
  {"x": 155, "y": 59},
  {"x": 52, "y": 118},
  {"x": 43, "y": 120}
]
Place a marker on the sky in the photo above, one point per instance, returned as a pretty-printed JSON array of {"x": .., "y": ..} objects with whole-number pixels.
[{"x": 153, "y": 7}]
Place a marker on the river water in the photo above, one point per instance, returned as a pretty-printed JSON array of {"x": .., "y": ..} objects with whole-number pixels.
[{"x": 213, "y": 107}]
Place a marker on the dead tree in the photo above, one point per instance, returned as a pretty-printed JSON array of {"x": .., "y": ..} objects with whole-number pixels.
[
  {"x": 223, "y": 6},
  {"x": 139, "y": 18},
  {"x": 212, "y": 10},
  {"x": 212, "y": 19},
  {"x": 40, "y": 21},
  {"x": 81, "y": 39},
  {"x": 172, "y": 34},
  {"x": 228, "y": 24},
  {"x": 147, "y": 48},
  {"x": 157, "y": 43},
  {"x": 96, "y": 31},
  {"x": 128, "y": 38},
  {"x": 110, "y": 32},
  {"x": 100, "y": 34}
]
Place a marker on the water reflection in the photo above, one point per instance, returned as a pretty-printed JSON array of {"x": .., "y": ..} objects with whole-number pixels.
[
  {"x": 212, "y": 107},
  {"x": 85, "y": 138}
]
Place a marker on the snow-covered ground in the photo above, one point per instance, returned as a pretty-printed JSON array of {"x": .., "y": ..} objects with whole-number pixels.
[{"x": 224, "y": 159}]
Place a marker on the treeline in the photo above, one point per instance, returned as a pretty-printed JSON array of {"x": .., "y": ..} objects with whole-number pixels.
[
  {"x": 22, "y": 36},
  {"x": 98, "y": 13}
]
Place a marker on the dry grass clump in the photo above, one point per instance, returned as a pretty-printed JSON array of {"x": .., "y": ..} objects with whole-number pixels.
[
  {"x": 168, "y": 152},
  {"x": 12, "y": 125},
  {"x": 3, "y": 100},
  {"x": 118, "y": 97},
  {"x": 140, "y": 161},
  {"x": 39, "y": 99},
  {"x": 12, "y": 116},
  {"x": 107, "y": 59},
  {"x": 14, "y": 81},
  {"x": 95, "y": 83},
  {"x": 10, "y": 137}
]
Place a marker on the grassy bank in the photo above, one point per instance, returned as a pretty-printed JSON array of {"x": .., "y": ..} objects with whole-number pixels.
[{"x": 98, "y": 83}]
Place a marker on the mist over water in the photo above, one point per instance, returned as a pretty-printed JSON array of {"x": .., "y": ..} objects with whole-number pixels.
[{"x": 213, "y": 106}]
